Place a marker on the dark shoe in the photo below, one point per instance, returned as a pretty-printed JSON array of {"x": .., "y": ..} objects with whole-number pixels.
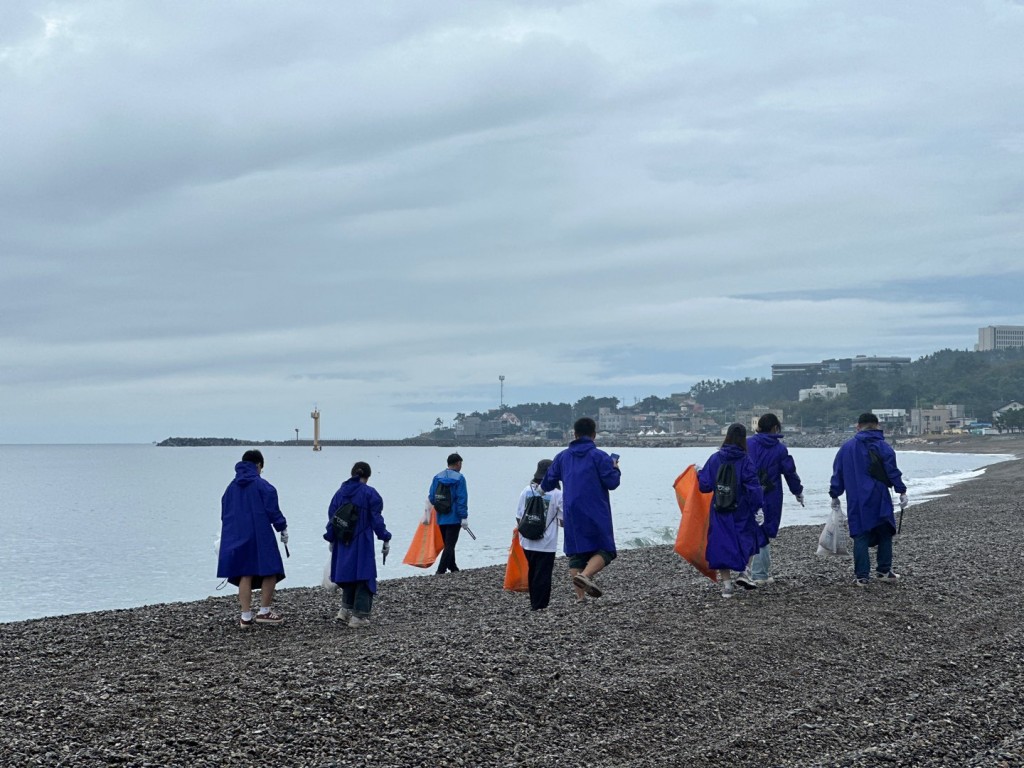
[
  {"x": 270, "y": 619},
  {"x": 244, "y": 624},
  {"x": 745, "y": 581},
  {"x": 862, "y": 582},
  {"x": 586, "y": 585},
  {"x": 889, "y": 578}
]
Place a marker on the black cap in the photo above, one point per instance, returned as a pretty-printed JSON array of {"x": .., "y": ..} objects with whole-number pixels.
[{"x": 542, "y": 469}]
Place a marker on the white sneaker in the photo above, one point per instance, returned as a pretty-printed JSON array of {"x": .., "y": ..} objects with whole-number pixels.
[
  {"x": 358, "y": 621},
  {"x": 744, "y": 580},
  {"x": 727, "y": 588},
  {"x": 343, "y": 615},
  {"x": 764, "y": 582}
]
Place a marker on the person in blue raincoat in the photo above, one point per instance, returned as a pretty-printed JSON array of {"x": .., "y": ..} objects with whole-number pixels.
[
  {"x": 587, "y": 475},
  {"x": 869, "y": 508},
  {"x": 248, "y": 556},
  {"x": 772, "y": 461},
  {"x": 733, "y": 537},
  {"x": 452, "y": 520},
  {"x": 354, "y": 563}
]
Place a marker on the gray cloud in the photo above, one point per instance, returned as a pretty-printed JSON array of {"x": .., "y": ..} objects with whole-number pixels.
[{"x": 213, "y": 216}]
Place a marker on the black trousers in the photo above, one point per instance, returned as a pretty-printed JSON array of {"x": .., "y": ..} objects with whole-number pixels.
[
  {"x": 538, "y": 577},
  {"x": 450, "y": 534}
]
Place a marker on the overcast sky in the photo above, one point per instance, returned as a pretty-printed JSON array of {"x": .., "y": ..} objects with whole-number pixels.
[{"x": 216, "y": 215}]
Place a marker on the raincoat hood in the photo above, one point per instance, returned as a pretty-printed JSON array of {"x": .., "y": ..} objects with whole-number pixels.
[{"x": 246, "y": 472}]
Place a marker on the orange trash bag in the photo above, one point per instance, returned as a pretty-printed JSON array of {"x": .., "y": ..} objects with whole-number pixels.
[
  {"x": 426, "y": 544},
  {"x": 516, "y": 569},
  {"x": 695, "y": 508}
]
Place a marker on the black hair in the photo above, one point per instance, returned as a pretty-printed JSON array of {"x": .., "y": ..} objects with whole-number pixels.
[
  {"x": 361, "y": 469},
  {"x": 867, "y": 418},
  {"x": 453, "y": 458},
  {"x": 736, "y": 435},
  {"x": 585, "y": 427},
  {"x": 254, "y": 457},
  {"x": 768, "y": 422}
]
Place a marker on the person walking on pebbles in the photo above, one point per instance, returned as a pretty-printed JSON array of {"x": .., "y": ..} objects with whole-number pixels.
[
  {"x": 864, "y": 469},
  {"x": 353, "y": 558},
  {"x": 734, "y": 535},
  {"x": 772, "y": 461},
  {"x": 540, "y": 552},
  {"x": 449, "y": 497},
  {"x": 587, "y": 475},
  {"x": 248, "y": 556}
]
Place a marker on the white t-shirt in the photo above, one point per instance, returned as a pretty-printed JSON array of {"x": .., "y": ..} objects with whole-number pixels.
[{"x": 553, "y": 502}]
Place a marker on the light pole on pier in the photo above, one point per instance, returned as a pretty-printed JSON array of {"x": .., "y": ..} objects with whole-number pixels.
[{"x": 501, "y": 391}]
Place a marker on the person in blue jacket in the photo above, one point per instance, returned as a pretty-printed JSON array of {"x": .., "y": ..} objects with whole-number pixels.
[
  {"x": 772, "y": 461},
  {"x": 869, "y": 508},
  {"x": 733, "y": 537},
  {"x": 452, "y": 516},
  {"x": 248, "y": 556},
  {"x": 587, "y": 475},
  {"x": 354, "y": 563}
]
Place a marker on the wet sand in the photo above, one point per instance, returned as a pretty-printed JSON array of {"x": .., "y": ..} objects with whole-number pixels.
[{"x": 661, "y": 671}]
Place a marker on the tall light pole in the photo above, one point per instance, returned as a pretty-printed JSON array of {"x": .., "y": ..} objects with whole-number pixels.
[{"x": 501, "y": 391}]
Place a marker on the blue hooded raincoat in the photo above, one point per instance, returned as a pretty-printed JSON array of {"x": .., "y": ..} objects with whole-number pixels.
[
  {"x": 587, "y": 474},
  {"x": 460, "y": 496},
  {"x": 733, "y": 537},
  {"x": 770, "y": 454},
  {"x": 249, "y": 515},
  {"x": 868, "y": 501},
  {"x": 357, "y": 560}
]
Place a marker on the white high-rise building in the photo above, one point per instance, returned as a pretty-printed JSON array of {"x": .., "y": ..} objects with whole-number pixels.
[{"x": 999, "y": 337}]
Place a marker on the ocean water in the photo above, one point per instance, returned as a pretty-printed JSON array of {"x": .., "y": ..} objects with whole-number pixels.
[{"x": 94, "y": 527}]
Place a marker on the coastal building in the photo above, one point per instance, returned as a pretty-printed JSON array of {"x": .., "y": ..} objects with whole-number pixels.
[
  {"x": 840, "y": 365},
  {"x": 1014, "y": 406},
  {"x": 823, "y": 391},
  {"x": 999, "y": 337},
  {"x": 935, "y": 420}
]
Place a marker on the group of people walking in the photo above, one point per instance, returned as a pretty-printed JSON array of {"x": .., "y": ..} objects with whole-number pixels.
[{"x": 745, "y": 477}]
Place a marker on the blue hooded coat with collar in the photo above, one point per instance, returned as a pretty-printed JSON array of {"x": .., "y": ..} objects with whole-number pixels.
[
  {"x": 733, "y": 537},
  {"x": 587, "y": 474},
  {"x": 249, "y": 515},
  {"x": 357, "y": 560},
  {"x": 868, "y": 501},
  {"x": 770, "y": 455},
  {"x": 460, "y": 496}
]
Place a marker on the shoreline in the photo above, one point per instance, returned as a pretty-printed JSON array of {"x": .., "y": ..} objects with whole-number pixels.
[{"x": 660, "y": 672}]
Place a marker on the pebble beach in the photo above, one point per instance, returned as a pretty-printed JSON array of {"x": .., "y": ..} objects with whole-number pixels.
[{"x": 661, "y": 671}]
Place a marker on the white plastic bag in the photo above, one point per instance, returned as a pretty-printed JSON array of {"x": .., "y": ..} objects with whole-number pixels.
[
  {"x": 834, "y": 537},
  {"x": 326, "y": 582}
]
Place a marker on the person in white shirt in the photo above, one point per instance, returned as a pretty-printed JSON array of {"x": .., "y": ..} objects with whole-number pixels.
[{"x": 540, "y": 553}]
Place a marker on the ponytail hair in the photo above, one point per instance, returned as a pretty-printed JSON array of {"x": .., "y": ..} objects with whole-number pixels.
[{"x": 361, "y": 470}]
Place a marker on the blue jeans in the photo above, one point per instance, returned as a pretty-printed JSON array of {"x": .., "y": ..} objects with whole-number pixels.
[
  {"x": 357, "y": 597},
  {"x": 881, "y": 534},
  {"x": 761, "y": 563}
]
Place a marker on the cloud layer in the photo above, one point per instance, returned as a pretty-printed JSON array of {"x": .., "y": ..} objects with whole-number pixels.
[{"x": 214, "y": 216}]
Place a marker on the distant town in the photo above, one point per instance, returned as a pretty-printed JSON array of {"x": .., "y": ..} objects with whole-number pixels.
[{"x": 951, "y": 392}]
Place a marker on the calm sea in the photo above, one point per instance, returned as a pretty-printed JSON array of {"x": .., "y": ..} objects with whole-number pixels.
[{"x": 93, "y": 527}]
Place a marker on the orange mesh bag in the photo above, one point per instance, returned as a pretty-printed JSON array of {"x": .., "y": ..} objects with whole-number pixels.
[
  {"x": 517, "y": 568},
  {"x": 695, "y": 507},
  {"x": 426, "y": 544}
]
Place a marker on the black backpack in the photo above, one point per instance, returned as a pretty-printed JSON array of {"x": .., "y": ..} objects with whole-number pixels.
[
  {"x": 343, "y": 522},
  {"x": 534, "y": 522},
  {"x": 443, "y": 498},
  {"x": 766, "y": 481},
  {"x": 727, "y": 491}
]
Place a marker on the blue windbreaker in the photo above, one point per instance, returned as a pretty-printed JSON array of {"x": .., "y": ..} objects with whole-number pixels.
[
  {"x": 460, "y": 496},
  {"x": 357, "y": 560},
  {"x": 868, "y": 501},
  {"x": 249, "y": 515},
  {"x": 770, "y": 454},
  {"x": 733, "y": 537},
  {"x": 587, "y": 474}
]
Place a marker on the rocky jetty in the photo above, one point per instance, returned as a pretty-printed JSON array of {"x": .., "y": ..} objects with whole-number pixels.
[{"x": 661, "y": 671}]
